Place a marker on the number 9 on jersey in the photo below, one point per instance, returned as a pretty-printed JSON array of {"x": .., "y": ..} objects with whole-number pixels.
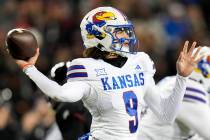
[{"x": 131, "y": 104}]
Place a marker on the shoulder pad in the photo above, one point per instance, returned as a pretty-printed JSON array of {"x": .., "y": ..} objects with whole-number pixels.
[{"x": 147, "y": 62}]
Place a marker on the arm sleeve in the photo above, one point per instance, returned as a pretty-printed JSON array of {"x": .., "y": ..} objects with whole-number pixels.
[
  {"x": 69, "y": 92},
  {"x": 165, "y": 107}
]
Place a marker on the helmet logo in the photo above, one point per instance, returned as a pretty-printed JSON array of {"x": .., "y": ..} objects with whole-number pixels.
[
  {"x": 100, "y": 18},
  {"x": 93, "y": 32}
]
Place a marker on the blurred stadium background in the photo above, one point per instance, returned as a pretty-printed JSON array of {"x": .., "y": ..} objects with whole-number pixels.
[{"x": 161, "y": 26}]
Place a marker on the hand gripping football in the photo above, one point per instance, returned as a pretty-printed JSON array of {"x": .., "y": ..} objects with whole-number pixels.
[{"x": 21, "y": 43}]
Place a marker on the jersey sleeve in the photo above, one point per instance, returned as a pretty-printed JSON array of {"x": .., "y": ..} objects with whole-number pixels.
[
  {"x": 77, "y": 71},
  {"x": 69, "y": 92},
  {"x": 165, "y": 107},
  {"x": 196, "y": 93},
  {"x": 167, "y": 84}
]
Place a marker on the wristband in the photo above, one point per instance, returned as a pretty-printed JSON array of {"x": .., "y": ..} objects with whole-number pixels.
[{"x": 26, "y": 65}]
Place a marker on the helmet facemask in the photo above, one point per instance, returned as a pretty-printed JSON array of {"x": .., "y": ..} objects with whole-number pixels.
[{"x": 123, "y": 38}]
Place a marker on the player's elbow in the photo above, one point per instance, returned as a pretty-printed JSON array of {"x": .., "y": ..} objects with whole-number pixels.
[
  {"x": 168, "y": 120},
  {"x": 70, "y": 96}
]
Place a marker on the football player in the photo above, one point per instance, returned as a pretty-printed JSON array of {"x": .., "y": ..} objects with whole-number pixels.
[
  {"x": 194, "y": 115},
  {"x": 114, "y": 80}
]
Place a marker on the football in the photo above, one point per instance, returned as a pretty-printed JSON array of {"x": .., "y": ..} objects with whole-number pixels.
[{"x": 21, "y": 43}]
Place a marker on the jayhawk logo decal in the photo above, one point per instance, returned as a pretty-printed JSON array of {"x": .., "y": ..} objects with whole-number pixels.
[{"x": 99, "y": 19}]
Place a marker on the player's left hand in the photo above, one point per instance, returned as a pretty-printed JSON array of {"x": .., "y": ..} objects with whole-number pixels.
[{"x": 188, "y": 60}]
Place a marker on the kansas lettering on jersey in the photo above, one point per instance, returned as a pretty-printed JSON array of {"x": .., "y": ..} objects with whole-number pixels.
[{"x": 123, "y": 81}]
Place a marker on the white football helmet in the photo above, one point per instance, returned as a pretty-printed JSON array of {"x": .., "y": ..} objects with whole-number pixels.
[
  {"x": 202, "y": 71},
  {"x": 100, "y": 26}
]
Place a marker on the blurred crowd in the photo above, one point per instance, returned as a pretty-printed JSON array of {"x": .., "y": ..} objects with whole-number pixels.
[{"x": 160, "y": 25}]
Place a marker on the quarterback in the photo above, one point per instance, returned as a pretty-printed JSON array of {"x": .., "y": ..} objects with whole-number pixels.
[
  {"x": 113, "y": 80},
  {"x": 193, "y": 119}
]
